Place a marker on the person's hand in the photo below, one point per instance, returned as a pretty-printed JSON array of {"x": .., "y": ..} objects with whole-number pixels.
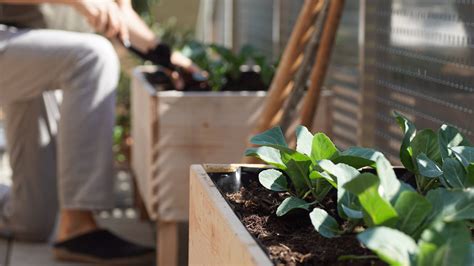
[
  {"x": 178, "y": 59},
  {"x": 105, "y": 16}
]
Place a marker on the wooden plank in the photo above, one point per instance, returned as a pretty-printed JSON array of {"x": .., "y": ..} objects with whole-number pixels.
[
  {"x": 198, "y": 128},
  {"x": 301, "y": 78},
  {"x": 216, "y": 235},
  {"x": 319, "y": 71},
  {"x": 168, "y": 243},
  {"x": 280, "y": 88}
]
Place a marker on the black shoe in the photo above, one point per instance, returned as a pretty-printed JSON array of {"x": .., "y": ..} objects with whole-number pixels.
[{"x": 103, "y": 247}]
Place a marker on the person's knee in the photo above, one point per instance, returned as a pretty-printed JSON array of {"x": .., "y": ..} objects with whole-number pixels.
[{"x": 98, "y": 57}]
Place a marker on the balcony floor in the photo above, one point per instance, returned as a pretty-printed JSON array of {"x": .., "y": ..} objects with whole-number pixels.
[{"x": 16, "y": 253}]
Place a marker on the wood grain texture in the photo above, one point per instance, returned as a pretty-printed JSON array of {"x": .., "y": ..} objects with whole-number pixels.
[
  {"x": 143, "y": 102},
  {"x": 168, "y": 243},
  {"x": 216, "y": 236}
]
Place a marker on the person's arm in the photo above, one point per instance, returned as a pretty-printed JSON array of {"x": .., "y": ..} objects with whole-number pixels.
[{"x": 143, "y": 38}]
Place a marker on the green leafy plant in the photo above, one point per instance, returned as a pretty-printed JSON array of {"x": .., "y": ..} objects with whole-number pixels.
[
  {"x": 442, "y": 244},
  {"x": 443, "y": 238},
  {"x": 403, "y": 226},
  {"x": 224, "y": 65},
  {"x": 308, "y": 185},
  {"x": 313, "y": 169},
  {"x": 443, "y": 158}
]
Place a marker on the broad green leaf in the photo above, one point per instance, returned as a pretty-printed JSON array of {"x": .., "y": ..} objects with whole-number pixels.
[
  {"x": 470, "y": 175},
  {"x": 267, "y": 154},
  {"x": 425, "y": 254},
  {"x": 465, "y": 154},
  {"x": 454, "y": 173},
  {"x": 304, "y": 140},
  {"x": 272, "y": 138},
  {"x": 343, "y": 173},
  {"x": 391, "y": 186},
  {"x": 445, "y": 244},
  {"x": 292, "y": 203},
  {"x": 297, "y": 169},
  {"x": 412, "y": 209},
  {"x": 392, "y": 246},
  {"x": 377, "y": 211},
  {"x": 409, "y": 131},
  {"x": 451, "y": 205},
  {"x": 273, "y": 180},
  {"x": 427, "y": 167},
  {"x": 324, "y": 223},
  {"x": 323, "y": 148},
  {"x": 318, "y": 175},
  {"x": 450, "y": 137},
  {"x": 358, "y": 157},
  {"x": 351, "y": 213},
  {"x": 426, "y": 141}
]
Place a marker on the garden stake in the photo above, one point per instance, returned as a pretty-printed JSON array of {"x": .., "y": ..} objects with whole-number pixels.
[
  {"x": 280, "y": 86},
  {"x": 282, "y": 83},
  {"x": 311, "y": 101},
  {"x": 300, "y": 83}
]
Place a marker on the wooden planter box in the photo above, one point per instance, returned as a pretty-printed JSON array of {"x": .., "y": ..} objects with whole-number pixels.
[
  {"x": 173, "y": 130},
  {"x": 216, "y": 235}
]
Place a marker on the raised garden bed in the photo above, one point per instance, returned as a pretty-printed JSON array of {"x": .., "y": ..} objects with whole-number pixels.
[{"x": 318, "y": 205}]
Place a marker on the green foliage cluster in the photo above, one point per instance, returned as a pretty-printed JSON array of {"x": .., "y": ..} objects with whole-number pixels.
[
  {"x": 426, "y": 225},
  {"x": 444, "y": 158},
  {"x": 223, "y": 64}
]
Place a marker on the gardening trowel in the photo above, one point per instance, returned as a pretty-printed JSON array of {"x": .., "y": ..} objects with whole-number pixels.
[{"x": 161, "y": 56}]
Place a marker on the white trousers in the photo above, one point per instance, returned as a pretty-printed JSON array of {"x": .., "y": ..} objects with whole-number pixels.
[{"x": 60, "y": 155}]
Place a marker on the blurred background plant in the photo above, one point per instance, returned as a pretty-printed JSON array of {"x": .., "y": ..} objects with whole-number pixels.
[{"x": 222, "y": 64}]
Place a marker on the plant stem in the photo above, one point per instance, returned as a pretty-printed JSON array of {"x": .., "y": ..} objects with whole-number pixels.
[
  {"x": 428, "y": 185},
  {"x": 418, "y": 184},
  {"x": 351, "y": 227},
  {"x": 308, "y": 182}
]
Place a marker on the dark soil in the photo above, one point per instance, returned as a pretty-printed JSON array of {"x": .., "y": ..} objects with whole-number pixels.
[
  {"x": 246, "y": 81},
  {"x": 292, "y": 240}
]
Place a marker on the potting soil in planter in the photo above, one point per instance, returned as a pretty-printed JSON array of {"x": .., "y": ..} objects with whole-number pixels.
[
  {"x": 291, "y": 239},
  {"x": 247, "y": 81}
]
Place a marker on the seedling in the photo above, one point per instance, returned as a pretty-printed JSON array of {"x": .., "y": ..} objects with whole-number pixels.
[{"x": 444, "y": 158}]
